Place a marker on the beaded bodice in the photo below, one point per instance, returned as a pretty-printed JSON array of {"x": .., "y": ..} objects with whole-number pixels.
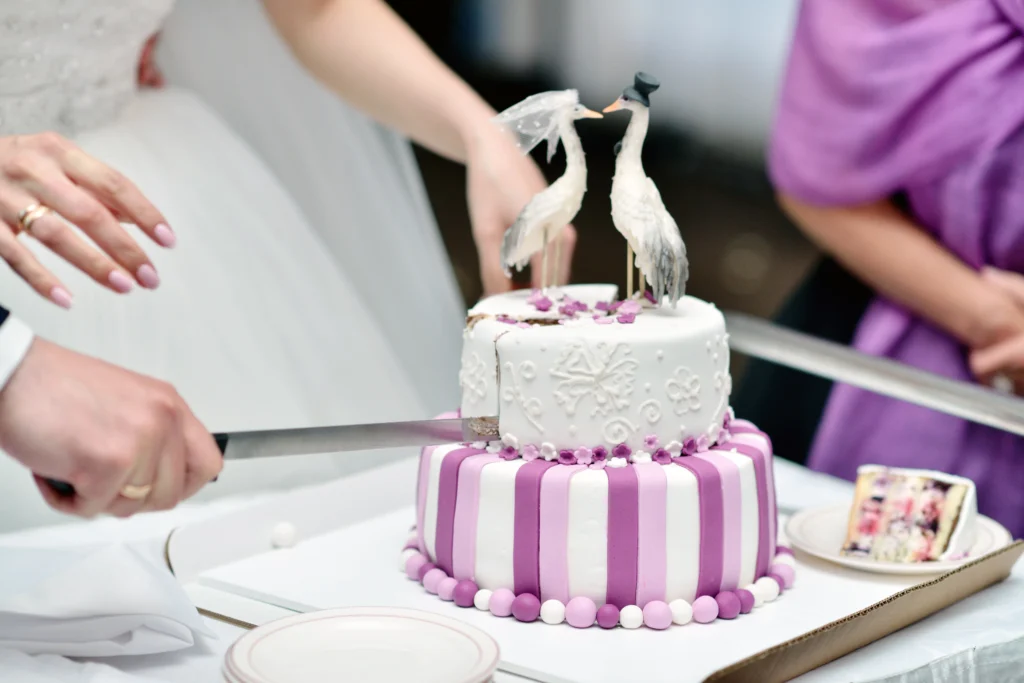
[{"x": 71, "y": 65}]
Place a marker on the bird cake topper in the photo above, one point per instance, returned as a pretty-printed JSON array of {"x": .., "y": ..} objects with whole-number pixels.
[
  {"x": 637, "y": 209},
  {"x": 546, "y": 116}
]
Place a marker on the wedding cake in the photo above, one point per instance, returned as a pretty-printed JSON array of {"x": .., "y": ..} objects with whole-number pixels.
[{"x": 619, "y": 489}]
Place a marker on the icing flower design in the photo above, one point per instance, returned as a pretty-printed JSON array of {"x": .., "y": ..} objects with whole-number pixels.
[
  {"x": 566, "y": 457},
  {"x": 548, "y": 451},
  {"x": 602, "y": 372},
  {"x": 674, "y": 448},
  {"x": 683, "y": 389},
  {"x": 584, "y": 456},
  {"x": 622, "y": 451},
  {"x": 641, "y": 456},
  {"x": 651, "y": 441},
  {"x": 530, "y": 452},
  {"x": 600, "y": 453},
  {"x": 662, "y": 456},
  {"x": 689, "y": 446},
  {"x": 508, "y": 453},
  {"x": 510, "y": 441}
]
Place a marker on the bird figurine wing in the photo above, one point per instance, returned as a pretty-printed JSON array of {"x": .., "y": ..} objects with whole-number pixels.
[
  {"x": 660, "y": 252},
  {"x": 535, "y": 119},
  {"x": 527, "y": 235}
]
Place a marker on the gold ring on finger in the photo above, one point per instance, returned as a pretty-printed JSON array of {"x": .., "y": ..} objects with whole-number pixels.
[
  {"x": 30, "y": 214},
  {"x": 136, "y": 492}
]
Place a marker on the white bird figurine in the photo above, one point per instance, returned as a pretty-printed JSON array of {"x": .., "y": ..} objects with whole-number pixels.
[
  {"x": 546, "y": 116},
  {"x": 637, "y": 210}
]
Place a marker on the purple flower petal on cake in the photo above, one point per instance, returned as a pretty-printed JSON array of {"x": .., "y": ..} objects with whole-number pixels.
[
  {"x": 703, "y": 443},
  {"x": 622, "y": 451},
  {"x": 603, "y": 321},
  {"x": 630, "y": 306},
  {"x": 509, "y": 453},
  {"x": 689, "y": 446},
  {"x": 542, "y": 304},
  {"x": 598, "y": 464},
  {"x": 523, "y": 326},
  {"x": 662, "y": 457},
  {"x": 535, "y": 296},
  {"x": 649, "y": 295},
  {"x": 566, "y": 458},
  {"x": 530, "y": 452},
  {"x": 600, "y": 453},
  {"x": 727, "y": 418},
  {"x": 651, "y": 441},
  {"x": 584, "y": 456},
  {"x": 626, "y": 318}
]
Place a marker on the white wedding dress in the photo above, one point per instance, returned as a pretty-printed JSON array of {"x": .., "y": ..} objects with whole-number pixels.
[{"x": 309, "y": 285}]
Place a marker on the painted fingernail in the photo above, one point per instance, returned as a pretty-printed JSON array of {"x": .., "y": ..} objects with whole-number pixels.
[
  {"x": 61, "y": 297},
  {"x": 148, "y": 277},
  {"x": 165, "y": 236},
  {"x": 120, "y": 281}
]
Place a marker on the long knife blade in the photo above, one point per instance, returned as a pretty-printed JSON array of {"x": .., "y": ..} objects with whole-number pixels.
[{"x": 768, "y": 341}]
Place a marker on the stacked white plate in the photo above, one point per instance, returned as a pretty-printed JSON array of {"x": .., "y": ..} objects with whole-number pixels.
[{"x": 368, "y": 645}]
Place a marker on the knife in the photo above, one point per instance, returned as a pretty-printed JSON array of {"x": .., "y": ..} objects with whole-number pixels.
[{"x": 748, "y": 335}]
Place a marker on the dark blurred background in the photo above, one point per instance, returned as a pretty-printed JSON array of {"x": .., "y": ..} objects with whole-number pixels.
[{"x": 719, "y": 62}]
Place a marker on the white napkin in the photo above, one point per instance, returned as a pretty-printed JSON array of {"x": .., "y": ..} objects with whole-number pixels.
[
  {"x": 92, "y": 602},
  {"x": 24, "y": 668}
]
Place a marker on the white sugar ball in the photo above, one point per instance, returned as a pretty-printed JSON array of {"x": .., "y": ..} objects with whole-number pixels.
[
  {"x": 682, "y": 613},
  {"x": 482, "y": 599},
  {"x": 283, "y": 535},
  {"x": 552, "y": 612},
  {"x": 756, "y": 592},
  {"x": 631, "y": 616},
  {"x": 769, "y": 589},
  {"x": 406, "y": 554},
  {"x": 785, "y": 559}
]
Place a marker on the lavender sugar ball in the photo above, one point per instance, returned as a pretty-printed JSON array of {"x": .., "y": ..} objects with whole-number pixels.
[
  {"x": 424, "y": 568},
  {"x": 526, "y": 607},
  {"x": 501, "y": 602},
  {"x": 747, "y": 600},
  {"x": 657, "y": 615},
  {"x": 705, "y": 609},
  {"x": 413, "y": 564},
  {"x": 608, "y": 616},
  {"x": 465, "y": 592},
  {"x": 580, "y": 612},
  {"x": 728, "y": 605},
  {"x": 446, "y": 589},
  {"x": 433, "y": 579},
  {"x": 785, "y": 571}
]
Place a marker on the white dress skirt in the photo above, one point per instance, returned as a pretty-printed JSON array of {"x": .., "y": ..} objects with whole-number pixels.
[{"x": 309, "y": 285}]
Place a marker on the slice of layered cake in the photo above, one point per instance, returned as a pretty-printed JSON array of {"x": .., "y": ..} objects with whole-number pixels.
[{"x": 910, "y": 515}]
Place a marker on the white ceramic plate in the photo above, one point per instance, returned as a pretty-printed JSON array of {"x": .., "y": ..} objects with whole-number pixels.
[
  {"x": 363, "y": 645},
  {"x": 821, "y": 531}
]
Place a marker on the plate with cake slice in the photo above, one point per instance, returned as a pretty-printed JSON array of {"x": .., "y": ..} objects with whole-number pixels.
[{"x": 900, "y": 521}]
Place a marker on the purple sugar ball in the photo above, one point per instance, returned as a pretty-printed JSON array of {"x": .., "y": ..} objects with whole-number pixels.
[
  {"x": 779, "y": 580},
  {"x": 787, "y": 573},
  {"x": 657, "y": 615},
  {"x": 501, "y": 602},
  {"x": 433, "y": 579},
  {"x": 413, "y": 564},
  {"x": 580, "y": 612},
  {"x": 705, "y": 609},
  {"x": 446, "y": 589},
  {"x": 746, "y": 600},
  {"x": 526, "y": 607},
  {"x": 608, "y": 616},
  {"x": 728, "y": 605},
  {"x": 424, "y": 568},
  {"x": 465, "y": 591}
]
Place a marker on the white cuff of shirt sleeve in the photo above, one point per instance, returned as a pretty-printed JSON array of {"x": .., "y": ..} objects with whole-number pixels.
[{"x": 15, "y": 340}]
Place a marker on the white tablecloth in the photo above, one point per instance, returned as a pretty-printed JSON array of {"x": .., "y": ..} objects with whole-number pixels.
[{"x": 956, "y": 637}]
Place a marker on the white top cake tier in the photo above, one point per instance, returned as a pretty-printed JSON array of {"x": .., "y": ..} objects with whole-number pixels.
[{"x": 572, "y": 377}]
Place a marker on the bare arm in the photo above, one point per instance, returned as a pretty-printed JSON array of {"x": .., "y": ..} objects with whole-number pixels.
[
  {"x": 901, "y": 261},
  {"x": 366, "y": 54}
]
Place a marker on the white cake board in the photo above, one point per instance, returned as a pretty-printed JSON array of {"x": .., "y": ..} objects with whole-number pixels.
[{"x": 353, "y": 533}]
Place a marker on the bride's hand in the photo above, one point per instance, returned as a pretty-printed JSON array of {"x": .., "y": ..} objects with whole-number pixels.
[
  {"x": 500, "y": 181},
  {"x": 1003, "y": 360},
  {"x": 69, "y": 186}
]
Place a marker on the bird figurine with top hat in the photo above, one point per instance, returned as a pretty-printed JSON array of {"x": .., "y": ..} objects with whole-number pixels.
[{"x": 637, "y": 209}]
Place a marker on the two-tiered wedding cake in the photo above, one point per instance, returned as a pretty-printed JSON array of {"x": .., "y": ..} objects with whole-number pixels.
[{"x": 619, "y": 488}]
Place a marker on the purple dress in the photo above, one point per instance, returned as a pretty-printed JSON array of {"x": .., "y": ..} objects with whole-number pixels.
[{"x": 923, "y": 98}]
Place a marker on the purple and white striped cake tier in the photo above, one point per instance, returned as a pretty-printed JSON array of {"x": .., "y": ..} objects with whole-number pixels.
[{"x": 647, "y": 534}]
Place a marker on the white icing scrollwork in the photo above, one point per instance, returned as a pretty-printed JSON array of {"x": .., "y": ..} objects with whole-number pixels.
[
  {"x": 651, "y": 410},
  {"x": 618, "y": 430},
  {"x": 473, "y": 379},
  {"x": 602, "y": 372},
  {"x": 683, "y": 390},
  {"x": 532, "y": 407}
]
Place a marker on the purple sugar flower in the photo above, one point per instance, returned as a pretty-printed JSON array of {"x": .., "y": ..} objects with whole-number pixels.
[
  {"x": 584, "y": 456},
  {"x": 566, "y": 457},
  {"x": 727, "y": 419},
  {"x": 651, "y": 441},
  {"x": 600, "y": 453},
  {"x": 542, "y": 304},
  {"x": 689, "y": 446},
  {"x": 630, "y": 306},
  {"x": 508, "y": 453},
  {"x": 571, "y": 307},
  {"x": 530, "y": 452},
  {"x": 609, "y": 307},
  {"x": 598, "y": 464},
  {"x": 662, "y": 457},
  {"x": 622, "y": 451},
  {"x": 505, "y": 319},
  {"x": 703, "y": 443},
  {"x": 524, "y": 326},
  {"x": 626, "y": 318},
  {"x": 603, "y": 320}
]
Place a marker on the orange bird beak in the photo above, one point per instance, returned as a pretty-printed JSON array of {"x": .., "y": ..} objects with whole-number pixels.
[
  {"x": 590, "y": 114},
  {"x": 614, "y": 106}
]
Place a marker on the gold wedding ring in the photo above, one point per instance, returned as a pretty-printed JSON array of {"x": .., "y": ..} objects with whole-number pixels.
[
  {"x": 30, "y": 214},
  {"x": 136, "y": 492}
]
